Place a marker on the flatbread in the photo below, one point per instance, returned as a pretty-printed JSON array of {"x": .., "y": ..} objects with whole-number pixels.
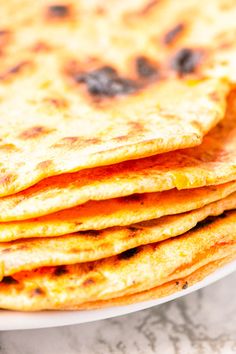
[
  {"x": 212, "y": 163},
  {"x": 84, "y": 85},
  {"x": 98, "y": 215},
  {"x": 93, "y": 245},
  {"x": 160, "y": 291},
  {"x": 25, "y": 303},
  {"x": 130, "y": 272}
]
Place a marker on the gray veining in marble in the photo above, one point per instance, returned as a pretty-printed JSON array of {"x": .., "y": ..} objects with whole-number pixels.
[{"x": 201, "y": 323}]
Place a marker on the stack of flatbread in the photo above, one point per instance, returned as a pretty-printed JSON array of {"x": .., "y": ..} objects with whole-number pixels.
[{"x": 117, "y": 149}]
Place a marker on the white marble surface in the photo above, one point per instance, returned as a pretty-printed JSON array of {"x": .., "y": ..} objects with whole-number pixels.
[{"x": 201, "y": 323}]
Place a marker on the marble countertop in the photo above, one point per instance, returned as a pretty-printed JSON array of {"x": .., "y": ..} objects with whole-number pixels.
[{"x": 201, "y": 323}]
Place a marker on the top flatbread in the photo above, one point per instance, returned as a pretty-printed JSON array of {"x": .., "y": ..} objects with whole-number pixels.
[
  {"x": 83, "y": 84},
  {"x": 211, "y": 163}
]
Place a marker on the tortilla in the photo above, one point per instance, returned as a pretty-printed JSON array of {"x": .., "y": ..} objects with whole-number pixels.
[
  {"x": 130, "y": 272},
  {"x": 84, "y": 85},
  {"x": 97, "y": 215},
  {"x": 212, "y": 163},
  {"x": 94, "y": 245},
  {"x": 160, "y": 291}
]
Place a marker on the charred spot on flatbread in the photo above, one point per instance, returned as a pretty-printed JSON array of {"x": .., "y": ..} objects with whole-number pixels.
[
  {"x": 105, "y": 82},
  {"x": 9, "y": 280},
  {"x": 14, "y": 70},
  {"x": 145, "y": 68},
  {"x": 185, "y": 286},
  {"x": 129, "y": 253},
  {"x": 172, "y": 34},
  {"x": 38, "y": 291},
  {"x": 60, "y": 270},
  {"x": 58, "y": 11},
  {"x": 185, "y": 61}
]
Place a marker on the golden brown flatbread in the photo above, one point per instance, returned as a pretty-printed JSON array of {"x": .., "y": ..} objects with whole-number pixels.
[
  {"x": 212, "y": 163},
  {"x": 83, "y": 84},
  {"x": 116, "y": 211},
  {"x": 132, "y": 271},
  {"x": 98, "y": 215},
  {"x": 93, "y": 245},
  {"x": 160, "y": 291}
]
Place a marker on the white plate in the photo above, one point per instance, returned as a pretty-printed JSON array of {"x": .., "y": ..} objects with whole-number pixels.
[{"x": 19, "y": 320}]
